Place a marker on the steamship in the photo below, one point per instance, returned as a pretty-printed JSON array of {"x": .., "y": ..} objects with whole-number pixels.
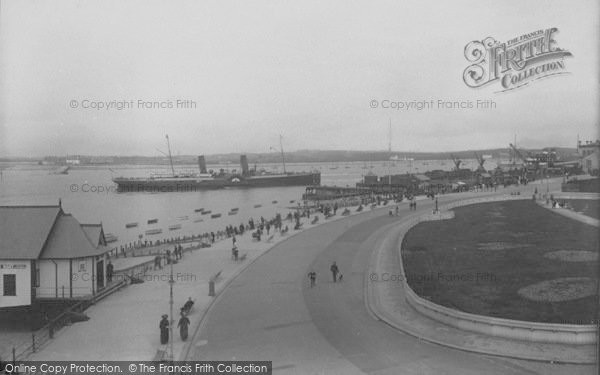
[{"x": 186, "y": 182}]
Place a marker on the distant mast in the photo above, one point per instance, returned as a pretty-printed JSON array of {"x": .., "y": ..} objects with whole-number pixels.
[
  {"x": 170, "y": 158},
  {"x": 390, "y": 155},
  {"x": 282, "y": 154}
]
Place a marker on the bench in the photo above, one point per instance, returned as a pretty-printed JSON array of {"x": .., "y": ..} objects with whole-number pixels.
[
  {"x": 243, "y": 257},
  {"x": 315, "y": 220}
]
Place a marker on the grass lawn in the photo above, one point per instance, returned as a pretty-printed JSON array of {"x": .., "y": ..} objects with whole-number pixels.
[{"x": 478, "y": 261}]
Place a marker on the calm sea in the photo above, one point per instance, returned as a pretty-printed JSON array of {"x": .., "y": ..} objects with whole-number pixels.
[{"x": 89, "y": 194}]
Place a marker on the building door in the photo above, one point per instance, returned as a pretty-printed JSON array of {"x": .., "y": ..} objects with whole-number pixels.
[{"x": 100, "y": 274}]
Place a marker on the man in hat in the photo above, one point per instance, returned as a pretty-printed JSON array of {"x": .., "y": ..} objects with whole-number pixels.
[
  {"x": 334, "y": 271},
  {"x": 312, "y": 276},
  {"x": 164, "y": 329}
]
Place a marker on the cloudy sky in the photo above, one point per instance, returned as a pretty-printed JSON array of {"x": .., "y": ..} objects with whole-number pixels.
[{"x": 308, "y": 70}]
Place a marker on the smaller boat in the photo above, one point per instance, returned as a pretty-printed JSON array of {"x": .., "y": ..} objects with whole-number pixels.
[
  {"x": 131, "y": 225},
  {"x": 232, "y": 213},
  {"x": 175, "y": 227},
  {"x": 274, "y": 202},
  {"x": 154, "y": 231},
  {"x": 257, "y": 205},
  {"x": 235, "y": 209},
  {"x": 199, "y": 210},
  {"x": 109, "y": 237},
  {"x": 198, "y": 220},
  {"x": 206, "y": 212},
  {"x": 292, "y": 201},
  {"x": 214, "y": 216},
  {"x": 152, "y": 221},
  {"x": 182, "y": 218}
]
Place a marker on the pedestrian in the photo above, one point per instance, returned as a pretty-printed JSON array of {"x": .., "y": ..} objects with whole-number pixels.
[
  {"x": 109, "y": 271},
  {"x": 334, "y": 271},
  {"x": 183, "y": 324},
  {"x": 164, "y": 329},
  {"x": 312, "y": 276},
  {"x": 397, "y": 210}
]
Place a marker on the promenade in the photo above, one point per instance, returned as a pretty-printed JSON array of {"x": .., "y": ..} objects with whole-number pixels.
[
  {"x": 269, "y": 312},
  {"x": 124, "y": 326}
]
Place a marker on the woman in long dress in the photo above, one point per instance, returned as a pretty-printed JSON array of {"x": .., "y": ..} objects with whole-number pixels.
[
  {"x": 183, "y": 324},
  {"x": 164, "y": 329}
]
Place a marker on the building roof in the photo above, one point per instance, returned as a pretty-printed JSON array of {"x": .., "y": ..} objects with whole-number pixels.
[
  {"x": 94, "y": 233},
  {"x": 44, "y": 232},
  {"x": 69, "y": 240},
  {"x": 25, "y": 229}
]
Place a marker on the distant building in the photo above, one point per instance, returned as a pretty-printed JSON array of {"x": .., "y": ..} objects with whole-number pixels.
[
  {"x": 589, "y": 163},
  {"x": 46, "y": 253},
  {"x": 588, "y": 148},
  {"x": 589, "y": 153}
]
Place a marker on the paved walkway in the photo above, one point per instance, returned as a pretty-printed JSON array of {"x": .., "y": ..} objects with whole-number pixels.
[{"x": 124, "y": 326}]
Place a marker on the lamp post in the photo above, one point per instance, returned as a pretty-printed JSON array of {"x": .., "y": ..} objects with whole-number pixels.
[{"x": 171, "y": 282}]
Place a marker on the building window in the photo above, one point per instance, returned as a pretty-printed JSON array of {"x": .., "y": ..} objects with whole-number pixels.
[
  {"x": 82, "y": 267},
  {"x": 10, "y": 284},
  {"x": 37, "y": 277}
]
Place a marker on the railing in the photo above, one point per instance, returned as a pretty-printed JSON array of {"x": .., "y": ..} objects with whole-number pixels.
[{"x": 44, "y": 334}]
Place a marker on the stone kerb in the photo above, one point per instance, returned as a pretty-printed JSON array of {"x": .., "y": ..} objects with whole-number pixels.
[{"x": 506, "y": 328}]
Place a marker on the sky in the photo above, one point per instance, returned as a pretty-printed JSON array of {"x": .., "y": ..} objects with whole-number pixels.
[{"x": 309, "y": 71}]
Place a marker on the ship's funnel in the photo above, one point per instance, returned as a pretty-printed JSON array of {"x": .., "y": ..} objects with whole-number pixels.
[
  {"x": 244, "y": 163},
  {"x": 202, "y": 164}
]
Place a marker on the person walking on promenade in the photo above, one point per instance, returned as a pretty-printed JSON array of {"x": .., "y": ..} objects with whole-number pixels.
[
  {"x": 397, "y": 210},
  {"x": 158, "y": 262},
  {"x": 312, "y": 276},
  {"x": 334, "y": 271},
  {"x": 183, "y": 324},
  {"x": 109, "y": 271},
  {"x": 164, "y": 329}
]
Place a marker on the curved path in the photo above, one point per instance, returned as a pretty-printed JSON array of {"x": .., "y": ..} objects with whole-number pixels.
[{"x": 270, "y": 313}]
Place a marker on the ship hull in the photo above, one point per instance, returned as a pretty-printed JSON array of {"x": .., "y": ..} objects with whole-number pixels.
[{"x": 166, "y": 185}]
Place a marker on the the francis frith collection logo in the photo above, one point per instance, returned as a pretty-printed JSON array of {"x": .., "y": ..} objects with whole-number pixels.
[{"x": 514, "y": 63}]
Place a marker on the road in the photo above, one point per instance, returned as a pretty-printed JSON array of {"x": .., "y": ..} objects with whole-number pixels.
[{"x": 270, "y": 313}]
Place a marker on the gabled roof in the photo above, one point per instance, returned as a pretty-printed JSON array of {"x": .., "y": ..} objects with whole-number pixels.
[
  {"x": 69, "y": 240},
  {"x": 94, "y": 233},
  {"x": 25, "y": 229},
  {"x": 46, "y": 232}
]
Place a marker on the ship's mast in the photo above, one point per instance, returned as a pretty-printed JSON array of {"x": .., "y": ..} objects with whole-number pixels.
[
  {"x": 170, "y": 158},
  {"x": 390, "y": 156},
  {"x": 282, "y": 154}
]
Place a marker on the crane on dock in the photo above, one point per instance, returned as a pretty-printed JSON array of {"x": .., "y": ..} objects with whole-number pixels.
[
  {"x": 457, "y": 162},
  {"x": 481, "y": 161}
]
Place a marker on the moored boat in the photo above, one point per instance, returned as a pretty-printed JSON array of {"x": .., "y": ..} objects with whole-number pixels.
[
  {"x": 109, "y": 237},
  {"x": 131, "y": 225},
  {"x": 153, "y": 231}
]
